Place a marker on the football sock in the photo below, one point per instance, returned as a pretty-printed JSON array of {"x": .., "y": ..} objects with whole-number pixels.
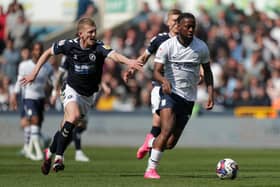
[
  {"x": 58, "y": 157},
  {"x": 151, "y": 142},
  {"x": 53, "y": 146},
  {"x": 34, "y": 141},
  {"x": 27, "y": 133},
  {"x": 77, "y": 137},
  {"x": 155, "y": 131},
  {"x": 54, "y": 143},
  {"x": 64, "y": 137},
  {"x": 154, "y": 159}
]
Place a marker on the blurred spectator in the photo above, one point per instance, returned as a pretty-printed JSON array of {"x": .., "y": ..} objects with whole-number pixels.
[
  {"x": 143, "y": 14},
  {"x": 86, "y": 8},
  {"x": 218, "y": 11},
  {"x": 261, "y": 98},
  {"x": 254, "y": 65},
  {"x": 90, "y": 11},
  {"x": 4, "y": 94},
  {"x": 20, "y": 33},
  {"x": 11, "y": 59},
  {"x": 245, "y": 99},
  {"x": 161, "y": 10},
  {"x": 2, "y": 29},
  {"x": 274, "y": 32},
  {"x": 14, "y": 11},
  {"x": 24, "y": 53}
]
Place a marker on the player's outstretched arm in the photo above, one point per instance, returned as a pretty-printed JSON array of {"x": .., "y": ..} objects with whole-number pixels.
[
  {"x": 131, "y": 63},
  {"x": 144, "y": 57},
  {"x": 208, "y": 78},
  {"x": 42, "y": 60},
  {"x": 130, "y": 71}
]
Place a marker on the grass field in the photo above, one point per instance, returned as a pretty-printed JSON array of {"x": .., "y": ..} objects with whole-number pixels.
[{"x": 117, "y": 166}]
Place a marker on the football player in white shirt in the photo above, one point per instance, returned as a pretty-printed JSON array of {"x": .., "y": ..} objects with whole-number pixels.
[
  {"x": 33, "y": 101},
  {"x": 180, "y": 57},
  {"x": 155, "y": 97}
]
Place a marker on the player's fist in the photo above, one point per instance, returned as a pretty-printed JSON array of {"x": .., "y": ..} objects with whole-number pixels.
[{"x": 166, "y": 87}]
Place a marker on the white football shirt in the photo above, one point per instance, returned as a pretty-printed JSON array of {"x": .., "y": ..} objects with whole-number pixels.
[
  {"x": 36, "y": 89},
  {"x": 182, "y": 64}
]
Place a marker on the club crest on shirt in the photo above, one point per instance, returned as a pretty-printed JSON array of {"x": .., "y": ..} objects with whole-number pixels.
[{"x": 92, "y": 57}]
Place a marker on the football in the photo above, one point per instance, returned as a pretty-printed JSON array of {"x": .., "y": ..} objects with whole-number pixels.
[{"x": 227, "y": 169}]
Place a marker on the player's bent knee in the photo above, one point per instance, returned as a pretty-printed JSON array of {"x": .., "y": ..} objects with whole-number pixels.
[{"x": 73, "y": 119}]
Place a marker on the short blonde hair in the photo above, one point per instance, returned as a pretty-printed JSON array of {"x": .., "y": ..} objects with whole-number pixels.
[
  {"x": 174, "y": 12},
  {"x": 85, "y": 21}
]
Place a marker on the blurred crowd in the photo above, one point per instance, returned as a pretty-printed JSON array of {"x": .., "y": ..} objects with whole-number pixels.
[{"x": 244, "y": 49}]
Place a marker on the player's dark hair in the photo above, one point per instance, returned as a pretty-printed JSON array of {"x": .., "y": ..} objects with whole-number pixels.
[
  {"x": 185, "y": 15},
  {"x": 40, "y": 44}
]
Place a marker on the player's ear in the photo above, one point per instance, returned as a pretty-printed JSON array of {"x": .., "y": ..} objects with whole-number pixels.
[{"x": 80, "y": 34}]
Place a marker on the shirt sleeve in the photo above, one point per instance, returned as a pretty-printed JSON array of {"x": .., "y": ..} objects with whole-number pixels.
[
  {"x": 105, "y": 50},
  {"x": 60, "y": 47},
  {"x": 161, "y": 54},
  {"x": 205, "y": 56},
  {"x": 153, "y": 46},
  {"x": 17, "y": 86}
]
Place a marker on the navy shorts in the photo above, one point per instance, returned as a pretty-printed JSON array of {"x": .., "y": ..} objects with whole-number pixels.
[
  {"x": 33, "y": 107},
  {"x": 181, "y": 107}
]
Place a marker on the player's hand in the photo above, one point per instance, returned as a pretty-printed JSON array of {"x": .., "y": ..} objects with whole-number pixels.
[
  {"x": 201, "y": 79},
  {"x": 55, "y": 94},
  {"x": 128, "y": 74},
  {"x": 135, "y": 64},
  {"x": 210, "y": 104},
  {"x": 27, "y": 79},
  {"x": 166, "y": 87}
]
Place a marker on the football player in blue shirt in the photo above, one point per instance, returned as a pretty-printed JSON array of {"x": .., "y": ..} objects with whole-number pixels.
[{"x": 86, "y": 57}]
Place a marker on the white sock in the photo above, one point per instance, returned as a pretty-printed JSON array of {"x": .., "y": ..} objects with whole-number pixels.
[
  {"x": 34, "y": 139},
  {"x": 58, "y": 157},
  {"x": 151, "y": 142},
  {"x": 27, "y": 132},
  {"x": 154, "y": 159}
]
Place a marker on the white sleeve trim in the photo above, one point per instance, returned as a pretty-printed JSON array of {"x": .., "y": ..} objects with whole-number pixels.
[
  {"x": 148, "y": 52},
  {"x": 110, "y": 53},
  {"x": 52, "y": 49},
  {"x": 157, "y": 60}
]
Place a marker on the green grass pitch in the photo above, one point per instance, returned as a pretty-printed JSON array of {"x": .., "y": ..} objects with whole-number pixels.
[{"x": 117, "y": 166}]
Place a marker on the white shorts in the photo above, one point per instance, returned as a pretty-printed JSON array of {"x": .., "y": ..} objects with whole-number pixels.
[
  {"x": 69, "y": 94},
  {"x": 155, "y": 98}
]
